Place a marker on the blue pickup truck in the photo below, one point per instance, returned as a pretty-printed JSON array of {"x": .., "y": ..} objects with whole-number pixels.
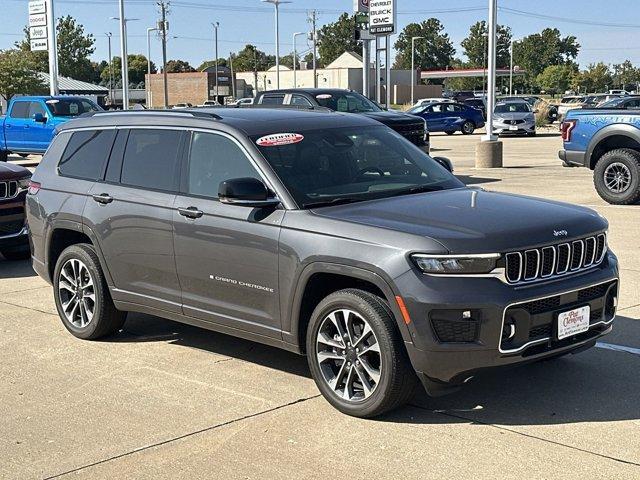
[
  {"x": 607, "y": 141},
  {"x": 30, "y": 122}
]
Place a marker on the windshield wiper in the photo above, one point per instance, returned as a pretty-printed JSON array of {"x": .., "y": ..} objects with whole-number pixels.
[
  {"x": 418, "y": 189},
  {"x": 327, "y": 203}
]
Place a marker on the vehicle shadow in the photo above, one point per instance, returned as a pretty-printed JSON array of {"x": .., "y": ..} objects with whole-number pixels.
[
  {"x": 471, "y": 180},
  {"x": 15, "y": 269},
  {"x": 598, "y": 385}
]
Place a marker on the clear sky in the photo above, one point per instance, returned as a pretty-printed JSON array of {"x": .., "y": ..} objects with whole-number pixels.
[{"x": 608, "y": 30}]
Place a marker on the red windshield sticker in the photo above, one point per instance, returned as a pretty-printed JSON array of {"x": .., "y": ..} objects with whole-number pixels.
[{"x": 277, "y": 139}]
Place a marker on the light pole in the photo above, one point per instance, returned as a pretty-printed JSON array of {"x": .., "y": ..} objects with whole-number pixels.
[
  {"x": 295, "y": 56},
  {"x": 148, "y": 86},
  {"x": 484, "y": 64},
  {"x": 413, "y": 68},
  {"x": 276, "y": 4},
  {"x": 123, "y": 54},
  {"x": 215, "y": 31},
  {"x": 109, "y": 34},
  {"x": 491, "y": 77}
]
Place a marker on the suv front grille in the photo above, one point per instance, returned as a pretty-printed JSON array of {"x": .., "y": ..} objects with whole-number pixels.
[
  {"x": 413, "y": 132},
  {"x": 555, "y": 260},
  {"x": 8, "y": 190}
]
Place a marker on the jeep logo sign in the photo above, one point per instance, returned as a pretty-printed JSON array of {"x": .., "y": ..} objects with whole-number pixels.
[{"x": 382, "y": 17}]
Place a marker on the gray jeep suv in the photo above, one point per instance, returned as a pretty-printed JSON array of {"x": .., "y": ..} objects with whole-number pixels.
[{"x": 322, "y": 233}]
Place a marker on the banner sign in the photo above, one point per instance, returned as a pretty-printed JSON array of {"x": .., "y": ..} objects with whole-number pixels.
[{"x": 382, "y": 17}]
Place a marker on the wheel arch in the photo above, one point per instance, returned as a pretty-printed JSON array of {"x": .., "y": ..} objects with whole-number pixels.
[
  {"x": 610, "y": 138},
  {"x": 320, "y": 279}
]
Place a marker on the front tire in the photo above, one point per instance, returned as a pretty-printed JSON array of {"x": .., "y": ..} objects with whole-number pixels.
[
  {"x": 468, "y": 128},
  {"x": 617, "y": 176},
  {"x": 82, "y": 295},
  {"x": 356, "y": 355}
]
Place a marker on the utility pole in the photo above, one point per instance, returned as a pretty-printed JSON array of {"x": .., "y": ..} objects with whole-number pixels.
[
  {"x": 163, "y": 32},
  {"x": 413, "y": 65},
  {"x": 233, "y": 80},
  {"x": 387, "y": 68},
  {"x": 123, "y": 57},
  {"x": 314, "y": 36},
  {"x": 277, "y": 3},
  {"x": 511, "y": 69},
  {"x": 215, "y": 32},
  {"x": 109, "y": 34},
  {"x": 255, "y": 71},
  {"x": 295, "y": 57},
  {"x": 148, "y": 85}
]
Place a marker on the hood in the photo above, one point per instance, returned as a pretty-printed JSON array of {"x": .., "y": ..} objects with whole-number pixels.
[
  {"x": 468, "y": 220},
  {"x": 393, "y": 118},
  {"x": 9, "y": 171}
]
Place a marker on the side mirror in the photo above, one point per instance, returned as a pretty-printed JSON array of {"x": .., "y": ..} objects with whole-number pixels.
[
  {"x": 247, "y": 192},
  {"x": 445, "y": 162},
  {"x": 38, "y": 117}
]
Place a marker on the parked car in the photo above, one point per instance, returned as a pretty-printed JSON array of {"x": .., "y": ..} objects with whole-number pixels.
[
  {"x": 321, "y": 233},
  {"x": 514, "y": 117},
  {"x": 347, "y": 101},
  {"x": 244, "y": 101},
  {"x": 479, "y": 103},
  {"x": 622, "y": 103},
  {"x": 536, "y": 103},
  {"x": 619, "y": 92},
  {"x": 591, "y": 101},
  {"x": 14, "y": 240},
  {"x": 183, "y": 105},
  {"x": 449, "y": 117},
  {"x": 208, "y": 103},
  {"x": 30, "y": 122},
  {"x": 462, "y": 95},
  {"x": 607, "y": 142},
  {"x": 425, "y": 101}
]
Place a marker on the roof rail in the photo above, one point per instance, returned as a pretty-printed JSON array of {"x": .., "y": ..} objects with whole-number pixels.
[
  {"x": 155, "y": 112},
  {"x": 316, "y": 108}
]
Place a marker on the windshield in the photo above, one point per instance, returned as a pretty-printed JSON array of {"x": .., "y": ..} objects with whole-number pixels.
[
  {"x": 335, "y": 165},
  {"x": 350, "y": 102},
  {"x": 515, "y": 107},
  {"x": 417, "y": 109},
  {"x": 71, "y": 107}
]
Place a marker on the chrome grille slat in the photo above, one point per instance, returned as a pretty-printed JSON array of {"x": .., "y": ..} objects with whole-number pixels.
[
  {"x": 8, "y": 189},
  {"x": 555, "y": 260}
]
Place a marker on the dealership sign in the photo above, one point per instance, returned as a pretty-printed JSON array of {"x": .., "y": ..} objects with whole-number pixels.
[
  {"x": 38, "y": 25},
  {"x": 382, "y": 17},
  {"x": 37, "y": 6},
  {"x": 39, "y": 45}
]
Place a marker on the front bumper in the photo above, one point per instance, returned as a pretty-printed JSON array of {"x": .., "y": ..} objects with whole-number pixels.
[
  {"x": 14, "y": 233},
  {"x": 445, "y": 364},
  {"x": 521, "y": 128}
]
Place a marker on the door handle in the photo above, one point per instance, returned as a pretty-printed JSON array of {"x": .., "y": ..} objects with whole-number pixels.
[
  {"x": 190, "y": 212},
  {"x": 103, "y": 198}
]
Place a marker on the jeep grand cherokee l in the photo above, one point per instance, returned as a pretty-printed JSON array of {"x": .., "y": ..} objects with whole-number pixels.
[
  {"x": 321, "y": 233},
  {"x": 14, "y": 241}
]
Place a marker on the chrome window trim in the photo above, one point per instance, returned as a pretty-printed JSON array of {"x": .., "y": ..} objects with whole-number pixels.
[{"x": 546, "y": 339}]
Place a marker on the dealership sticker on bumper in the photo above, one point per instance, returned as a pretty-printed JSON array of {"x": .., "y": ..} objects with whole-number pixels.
[{"x": 573, "y": 322}]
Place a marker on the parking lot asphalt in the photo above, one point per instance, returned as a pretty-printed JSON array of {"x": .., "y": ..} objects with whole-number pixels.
[{"x": 165, "y": 400}]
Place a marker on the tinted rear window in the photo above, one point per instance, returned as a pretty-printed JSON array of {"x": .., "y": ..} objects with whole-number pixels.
[
  {"x": 86, "y": 154},
  {"x": 151, "y": 159}
]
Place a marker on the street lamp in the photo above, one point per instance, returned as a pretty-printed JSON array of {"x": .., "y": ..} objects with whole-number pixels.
[
  {"x": 276, "y": 4},
  {"x": 295, "y": 56},
  {"x": 123, "y": 54},
  {"x": 148, "y": 87},
  {"x": 491, "y": 79},
  {"x": 109, "y": 34},
  {"x": 215, "y": 29},
  {"x": 413, "y": 68}
]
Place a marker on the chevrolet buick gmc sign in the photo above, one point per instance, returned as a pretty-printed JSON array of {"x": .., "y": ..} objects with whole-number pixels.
[{"x": 382, "y": 17}]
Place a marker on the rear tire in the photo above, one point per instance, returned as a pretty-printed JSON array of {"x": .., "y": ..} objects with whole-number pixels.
[
  {"x": 617, "y": 176},
  {"x": 356, "y": 355},
  {"x": 82, "y": 295},
  {"x": 468, "y": 128}
]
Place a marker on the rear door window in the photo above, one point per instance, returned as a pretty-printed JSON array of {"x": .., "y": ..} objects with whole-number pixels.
[
  {"x": 300, "y": 100},
  {"x": 151, "y": 159},
  {"x": 20, "y": 110},
  {"x": 272, "y": 99},
  {"x": 86, "y": 154}
]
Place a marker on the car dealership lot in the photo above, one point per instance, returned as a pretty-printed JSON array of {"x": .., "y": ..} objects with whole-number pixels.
[{"x": 165, "y": 400}]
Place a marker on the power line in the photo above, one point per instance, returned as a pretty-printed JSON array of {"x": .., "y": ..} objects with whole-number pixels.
[{"x": 541, "y": 16}]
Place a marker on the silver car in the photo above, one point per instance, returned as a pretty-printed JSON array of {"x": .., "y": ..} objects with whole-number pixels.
[{"x": 514, "y": 117}]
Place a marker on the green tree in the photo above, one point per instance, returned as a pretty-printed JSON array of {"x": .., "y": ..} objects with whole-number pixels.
[
  {"x": 336, "y": 38},
  {"x": 475, "y": 45},
  {"x": 179, "y": 66},
  {"x": 433, "y": 52},
  {"x": 557, "y": 78},
  {"x": 625, "y": 74},
  {"x": 536, "y": 52},
  {"x": 250, "y": 58},
  {"x": 222, "y": 62},
  {"x": 137, "y": 64},
  {"x": 74, "y": 49},
  {"x": 595, "y": 78},
  {"x": 18, "y": 74}
]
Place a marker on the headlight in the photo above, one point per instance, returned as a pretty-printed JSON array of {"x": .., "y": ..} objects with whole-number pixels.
[
  {"x": 425, "y": 135},
  {"x": 23, "y": 184},
  {"x": 452, "y": 264}
]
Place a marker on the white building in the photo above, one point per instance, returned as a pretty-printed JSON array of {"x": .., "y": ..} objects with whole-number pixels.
[{"x": 344, "y": 72}]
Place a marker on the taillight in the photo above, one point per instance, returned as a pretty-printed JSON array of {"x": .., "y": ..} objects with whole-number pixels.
[
  {"x": 34, "y": 187},
  {"x": 566, "y": 128}
]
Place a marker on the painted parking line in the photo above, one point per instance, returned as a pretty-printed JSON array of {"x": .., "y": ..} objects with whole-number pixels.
[{"x": 618, "y": 348}]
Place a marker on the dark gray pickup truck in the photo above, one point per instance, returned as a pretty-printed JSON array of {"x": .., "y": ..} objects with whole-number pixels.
[{"x": 326, "y": 234}]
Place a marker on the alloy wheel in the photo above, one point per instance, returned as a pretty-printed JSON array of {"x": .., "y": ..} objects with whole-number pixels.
[
  {"x": 348, "y": 354},
  {"x": 76, "y": 293},
  {"x": 617, "y": 177}
]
